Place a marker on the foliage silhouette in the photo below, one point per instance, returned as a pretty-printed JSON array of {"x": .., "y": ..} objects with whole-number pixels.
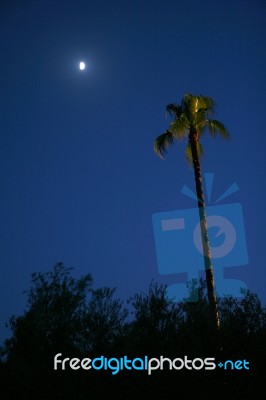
[
  {"x": 65, "y": 315},
  {"x": 103, "y": 322}
]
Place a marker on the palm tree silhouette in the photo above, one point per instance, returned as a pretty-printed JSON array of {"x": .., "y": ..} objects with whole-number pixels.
[{"x": 191, "y": 120}]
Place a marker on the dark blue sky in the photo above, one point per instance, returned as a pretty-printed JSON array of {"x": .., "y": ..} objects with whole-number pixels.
[{"x": 79, "y": 179}]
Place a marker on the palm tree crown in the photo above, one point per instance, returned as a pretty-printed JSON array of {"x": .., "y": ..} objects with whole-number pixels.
[{"x": 191, "y": 117}]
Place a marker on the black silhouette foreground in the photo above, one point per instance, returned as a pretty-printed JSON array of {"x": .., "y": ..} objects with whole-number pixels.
[{"x": 65, "y": 315}]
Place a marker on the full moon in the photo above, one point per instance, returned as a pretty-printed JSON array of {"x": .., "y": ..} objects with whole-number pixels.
[{"x": 82, "y": 65}]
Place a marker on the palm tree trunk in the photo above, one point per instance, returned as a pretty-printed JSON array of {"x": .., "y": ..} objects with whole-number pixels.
[{"x": 193, "y": 140}]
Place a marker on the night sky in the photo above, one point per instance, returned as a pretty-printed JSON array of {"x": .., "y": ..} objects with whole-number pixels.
[{"x": 79, "y": 178}]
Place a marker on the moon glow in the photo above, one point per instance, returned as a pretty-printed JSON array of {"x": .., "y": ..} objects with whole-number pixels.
[{"x": 82, "y": 65}]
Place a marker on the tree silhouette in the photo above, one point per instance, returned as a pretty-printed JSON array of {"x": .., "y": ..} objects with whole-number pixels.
[
  {"x": 51, "y": 324},
  {"x": 65, "y": 315},
  {"x": 103, "y": 322},
  {"x": 190, "y": 120},
  {"x": 156, "y": 321}
]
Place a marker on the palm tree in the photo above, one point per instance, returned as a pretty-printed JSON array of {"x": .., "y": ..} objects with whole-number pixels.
[{"x": 190, "y": 120}]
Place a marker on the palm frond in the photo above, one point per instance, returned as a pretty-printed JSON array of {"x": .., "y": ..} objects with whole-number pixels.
[
  {"x": 206, "y": 103},
  {"x": 197, "y": 105},
  {"x": 186, "y": 104},
  {"x": 175, "y": 110},
  {"x": 200, "y": 118},
  {"x": 162, "y": 142},
  {"x": 180, "y": 126},
  {"x": 216, "y": 127}
]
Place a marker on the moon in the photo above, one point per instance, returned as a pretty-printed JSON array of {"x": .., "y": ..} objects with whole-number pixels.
[{"x": 82, "y": 65}]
